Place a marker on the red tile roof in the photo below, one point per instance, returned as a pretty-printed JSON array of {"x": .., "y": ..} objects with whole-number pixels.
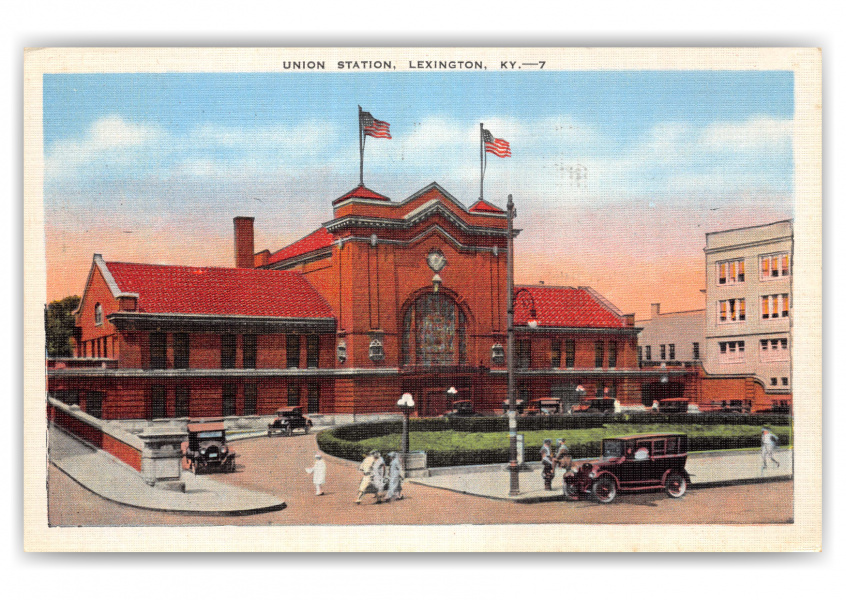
[
  {"x": 164, "y": 289},
  {"x": 361, "y": 192},
  {"x": 482, "y": 206},
  {"x": 565, "y": 307},
  {"x": 313, "y": 241}
]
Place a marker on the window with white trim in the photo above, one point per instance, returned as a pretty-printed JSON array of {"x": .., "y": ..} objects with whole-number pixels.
[
  {"x": 731, "y": 272},
  {"x": 732, "y": 310},
  {"x": 775, "y": 266},
  {"x": 775, "y": 306},
  {"x": 774, "y": 350},
  {"x": 98, "y": 314},
  {"x": 732, "y": 352}
]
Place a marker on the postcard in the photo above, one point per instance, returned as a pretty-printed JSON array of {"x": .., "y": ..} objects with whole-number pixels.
[{"x": 432, "y": 295}]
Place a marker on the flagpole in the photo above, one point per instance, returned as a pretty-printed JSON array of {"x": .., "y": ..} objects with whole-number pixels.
[
  {"x": 360, "y": 150},
  {"x": 482, "y": 161}
]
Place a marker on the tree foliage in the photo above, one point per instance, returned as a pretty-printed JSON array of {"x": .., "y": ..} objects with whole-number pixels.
[{"x": 59, "y": 324}]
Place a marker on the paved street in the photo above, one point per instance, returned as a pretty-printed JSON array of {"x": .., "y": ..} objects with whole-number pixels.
[{"x": 276, "y": 466}]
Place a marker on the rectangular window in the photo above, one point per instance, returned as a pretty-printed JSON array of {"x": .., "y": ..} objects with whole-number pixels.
[
  {"x": 774, "y": 350},
  {"x": 672, "y": 352},
  {"x": 570, "y": 354},
  {"x": 250, "y": 398},
  {"x": 732, "y": 352},
  {"x": 611, "y": 390},
  {"x": 784, "y": 381},
  {"x": 228, "y": 346},
  {"x": 292, "y": 351},
  {"x": 248, "y": 351},
  {"x": 731, "y": 272},
  {"x": 230, "y": 391},
  {"x": 157, "y": 402},
  {"x": 640, "y": 354},
  {"x": 695, "y": 350},
  {"x": 732, "y": 310},
  {"x": 158, "y": 350},
  {"x": 612, "y": 355},
  {"x": 313, "y": 398},
  {"x": 555, "y": 354},
  {"x": 775, "y": 266},
  {"x": 524, "y": 354},
  {"x": 649, "y": 353},
  {"x": 180, "y": 350},
  {"x": 183, "y": 401},
  {"x": 94, "y": 404},
  {"x": 663, "y": 351},
  {"x": 773, "y": 380},
  {"x": 775, "y": 306},
  {"x": 599, "y": 354},
  {"x": 293, "y": 394},
  {"x": 312, "y": 351}
]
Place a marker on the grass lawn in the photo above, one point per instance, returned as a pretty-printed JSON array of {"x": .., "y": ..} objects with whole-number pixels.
[{"x": 457, "y": 440}]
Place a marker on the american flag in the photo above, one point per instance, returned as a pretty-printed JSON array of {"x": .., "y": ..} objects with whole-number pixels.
[
  {"x": 375, "y": 127},
  {"x": 495, "y": 146}
]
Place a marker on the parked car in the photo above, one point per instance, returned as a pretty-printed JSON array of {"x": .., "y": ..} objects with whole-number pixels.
[
  {"x": 597, "y": 405},
  {"x": 461, "y": 408},
  {"x": 287, "y": 420},
  {"x": 673, "y": 405},
  {"x": 206, "y": 449},
  {"x": 632, "y": 463}
]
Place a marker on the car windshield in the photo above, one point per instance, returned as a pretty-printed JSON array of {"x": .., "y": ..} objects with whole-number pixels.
[
  {"x": 612, "y": 448},
  {"x": 210, "y": 435}
]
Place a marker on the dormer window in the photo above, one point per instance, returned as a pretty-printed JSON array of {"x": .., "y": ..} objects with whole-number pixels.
[{"x": 98, "y": 314}]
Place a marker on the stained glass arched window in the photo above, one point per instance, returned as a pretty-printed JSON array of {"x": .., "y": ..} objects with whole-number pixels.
[{"x": 434, "y": 332}]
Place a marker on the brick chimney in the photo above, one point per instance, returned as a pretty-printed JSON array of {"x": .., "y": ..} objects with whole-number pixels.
[
  {"x": 244, "y": 242},
  {"x": 656, "y": 309}
]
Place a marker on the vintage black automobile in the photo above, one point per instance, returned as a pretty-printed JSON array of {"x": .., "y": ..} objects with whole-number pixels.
[
  {"x": 461, "y": 408},
  {"x": 206, "y": 448},
  {"x": 287, "y": 420},
  {"x": 632, "y": 463},
  {"x": 597, "y": 405}
]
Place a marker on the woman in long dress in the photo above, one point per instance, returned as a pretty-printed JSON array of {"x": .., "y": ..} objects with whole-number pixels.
[{"x": 395, "y": 476}]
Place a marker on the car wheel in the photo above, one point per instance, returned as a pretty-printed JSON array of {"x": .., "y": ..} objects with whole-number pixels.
[
  {"x": 570, "y": 491},
  {"x": 605, "y": 489},
  {"x": 676, "y": 485}
]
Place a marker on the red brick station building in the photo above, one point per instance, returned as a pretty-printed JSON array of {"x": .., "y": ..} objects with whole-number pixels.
[{"x": 385, "y": 298}]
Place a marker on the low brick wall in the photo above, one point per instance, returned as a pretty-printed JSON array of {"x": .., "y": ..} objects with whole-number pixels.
[{"x": 121, "y": 444}]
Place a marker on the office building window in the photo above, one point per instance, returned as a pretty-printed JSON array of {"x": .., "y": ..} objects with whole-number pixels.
[
  {"x": 612, "y": 355},
  {"x": 599, "y": 354},
  {"x": 663, "y": 350},
  {"x": 313, "y": 398},
  {"x": 774, "y": 350},
  {"x": 730, "y": 272},
  {"x": 640, "y": 354},
  {"x": 732, "y": 310},
  {"x": 230, "y": 391},
  {"x": 293, "y": 394},
  {"x": 784, "y": 381},
  {"x": 248, "y": 351},
  {"x": 312, "y": 351},
  {"x": 94, "y": 404},
  {"x": 775, "y": 306},
  {"x": 649, "y": 353},
  {"x": 555, "y": 354},
  {"x": 292, "y": 351},
  {"x": 672, "y": 352},
  {"x": 695, "y": 350},
  {"x": 182, "y": 406},
  {"x": 524, "y": 354},
  {"x": 158, "y": 350},
  {"x": 157, "y": 402},
  {"x": 250, "y": 398},
  {"x": 570, "y": 353},
  {"x": 228, "y": 346},
  {"x": 775, "y": 266},
  {"x": 732, "y": 352},
  {"x": 180, "y": 350},
  {"x": 773, "y": 380}
]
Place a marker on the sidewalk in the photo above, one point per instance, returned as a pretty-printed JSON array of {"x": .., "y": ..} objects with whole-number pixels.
[
  {"x": 104, "y": 475},
  {"x": 706, "y": 469}
]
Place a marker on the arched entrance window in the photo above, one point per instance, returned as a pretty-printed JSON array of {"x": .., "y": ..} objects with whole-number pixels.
[{"x": 434, "y": 332}]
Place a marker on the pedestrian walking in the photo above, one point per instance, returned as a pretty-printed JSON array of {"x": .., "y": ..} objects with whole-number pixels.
[
  {"x": 366, "y": 468},
  {"x": 563, "y": 458},
  {"x": 318, "y": 471},
  {"x": 547, "y": 463},
  {"x": 379, "y": 472},
  {"x": 396, "y": 474},
  {"x": 769, "y": 442}
]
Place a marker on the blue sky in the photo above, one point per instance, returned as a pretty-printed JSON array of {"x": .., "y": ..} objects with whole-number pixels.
[{"x": 156, "y": 153}]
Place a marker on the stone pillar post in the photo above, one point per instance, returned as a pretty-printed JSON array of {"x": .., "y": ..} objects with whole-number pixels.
[{"x": 161, "y": 458}]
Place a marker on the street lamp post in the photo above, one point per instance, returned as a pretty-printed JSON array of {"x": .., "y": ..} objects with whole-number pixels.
[
  {"x": 406, "y": 404},
  {"x": 514, "y": 479},
  {"x": 451, "y": 394}
]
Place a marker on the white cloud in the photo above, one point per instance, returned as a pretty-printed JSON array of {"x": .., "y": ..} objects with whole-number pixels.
[{"x": 749, "y": 135}]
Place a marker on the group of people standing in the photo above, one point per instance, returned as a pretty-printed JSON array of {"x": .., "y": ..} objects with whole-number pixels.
[
  {"x": 561, "y": 458},
  {"x": 384, "y": 480}
]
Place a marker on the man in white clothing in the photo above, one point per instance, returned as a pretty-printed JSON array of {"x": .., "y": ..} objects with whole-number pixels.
[{"x": 318, "y": 474}]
